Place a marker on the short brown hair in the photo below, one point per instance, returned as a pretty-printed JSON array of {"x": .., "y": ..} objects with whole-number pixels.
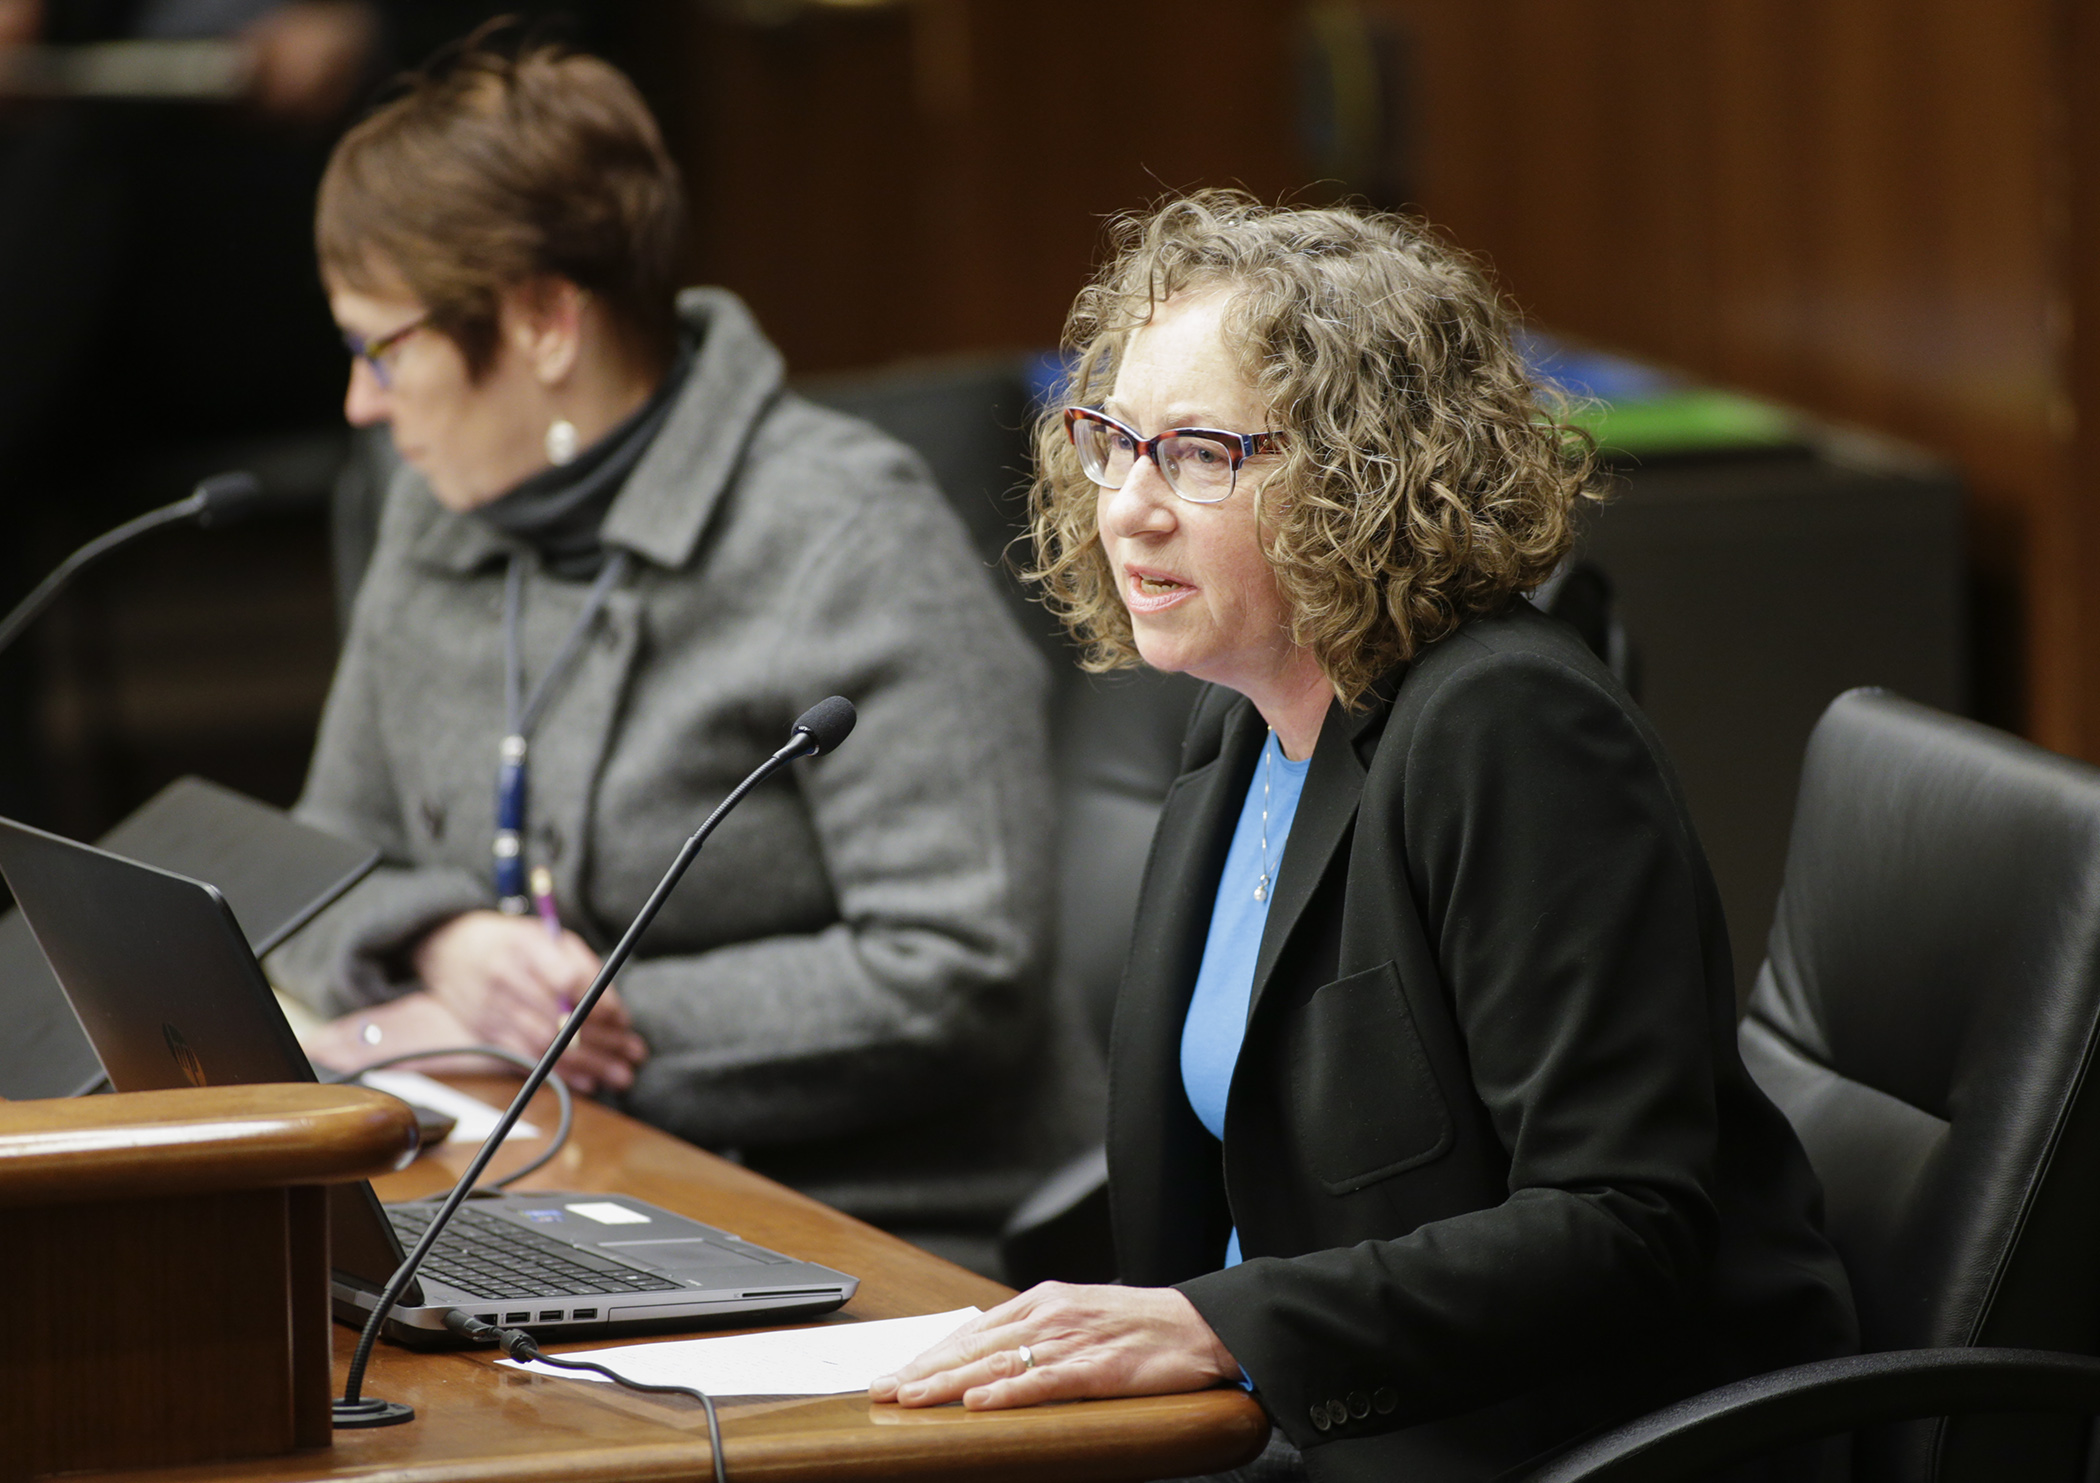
[
  {"x": 490, "y": 170},
  {"x": 1426, "y": 477}
]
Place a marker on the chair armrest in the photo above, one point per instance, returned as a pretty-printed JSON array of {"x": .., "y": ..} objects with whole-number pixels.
[
  {"x": 1766, "y": 1412},
  {"x": 199, "y": 1140}
]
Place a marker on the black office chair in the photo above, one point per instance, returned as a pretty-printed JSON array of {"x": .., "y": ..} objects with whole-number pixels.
[{"x": 1927, "y": 1018}]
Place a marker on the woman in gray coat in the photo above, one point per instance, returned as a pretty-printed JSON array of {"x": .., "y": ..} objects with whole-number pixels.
[{"x": 620, "y": 560}]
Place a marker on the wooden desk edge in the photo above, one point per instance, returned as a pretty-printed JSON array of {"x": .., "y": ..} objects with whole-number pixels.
[
  {"x": 824, "y": 1439},
  {"x": 199, "y": 1140}
]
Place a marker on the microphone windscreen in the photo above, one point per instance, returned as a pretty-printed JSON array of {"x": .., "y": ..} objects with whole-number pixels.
[
  {"x": 225, "y": 498},
  {"x": 828, "y": 723}
]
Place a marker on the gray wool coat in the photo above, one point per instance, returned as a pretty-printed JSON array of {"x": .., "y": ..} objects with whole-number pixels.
[{"x": 849, "y": 986}]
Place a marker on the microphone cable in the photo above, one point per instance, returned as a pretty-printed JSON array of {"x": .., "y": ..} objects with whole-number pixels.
[
  {"x": 562, "y": 1095},
  {"x": 522, "y": 1347}
]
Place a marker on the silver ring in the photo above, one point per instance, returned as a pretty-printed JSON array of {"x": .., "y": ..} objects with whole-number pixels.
[{"x": 1027, "y": 1358}]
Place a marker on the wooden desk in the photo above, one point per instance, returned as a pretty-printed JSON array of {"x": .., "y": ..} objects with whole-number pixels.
[
  {"x": 478, "y": 1421},
  {"x": 170, "y": 1252}
]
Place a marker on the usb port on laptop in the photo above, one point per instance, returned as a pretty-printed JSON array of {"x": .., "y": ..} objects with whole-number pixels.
[
  {"x": 585, "y": 1313},
  {"x": 553, "y": 1317},
  {"x": 517, "y": 1318}
]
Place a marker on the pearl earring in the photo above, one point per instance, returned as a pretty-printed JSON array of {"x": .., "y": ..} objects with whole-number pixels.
[{"x": 561, "y": 440}]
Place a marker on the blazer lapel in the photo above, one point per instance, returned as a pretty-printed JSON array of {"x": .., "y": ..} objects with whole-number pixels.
[
  {"x": 1188, "y": 852},
  {"x": 1334, "y": 785},
  {"x": 1167, "y": 1194}
]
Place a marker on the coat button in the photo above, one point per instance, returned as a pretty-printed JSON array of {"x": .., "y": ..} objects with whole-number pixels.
[
  {"x": 1319, "y": 1415},
  {"x": 1359, "y": 1404},
  {"x": 1385, "y": 1400}
]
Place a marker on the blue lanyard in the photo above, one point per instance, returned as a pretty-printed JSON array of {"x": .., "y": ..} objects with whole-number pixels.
[{"x": 522, "y": 714}]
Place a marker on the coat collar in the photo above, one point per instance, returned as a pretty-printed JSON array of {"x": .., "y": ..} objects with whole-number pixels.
[{"x": 669, "y": 498}]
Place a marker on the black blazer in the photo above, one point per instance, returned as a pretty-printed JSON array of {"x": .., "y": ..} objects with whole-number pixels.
[{"x": 1498, "y": 1172}]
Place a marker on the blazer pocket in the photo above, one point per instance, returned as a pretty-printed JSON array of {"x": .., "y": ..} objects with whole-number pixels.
[{"x": 1365, "y": 1103}]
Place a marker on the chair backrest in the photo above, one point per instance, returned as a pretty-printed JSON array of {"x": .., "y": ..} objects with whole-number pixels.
[{"x": 1926, "y": 1018}]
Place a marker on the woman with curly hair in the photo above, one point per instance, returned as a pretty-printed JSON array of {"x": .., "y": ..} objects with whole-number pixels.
[{"x": 1427, "y": 1121}]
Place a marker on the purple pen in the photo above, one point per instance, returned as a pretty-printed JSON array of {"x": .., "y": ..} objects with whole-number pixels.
[
  {"x": 543, "y": 900},
  {"x": 542, "y": 881}
]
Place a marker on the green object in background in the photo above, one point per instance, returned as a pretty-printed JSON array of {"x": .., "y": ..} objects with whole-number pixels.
[
  {"x": 1636, "y": 410},
  {"x": 1690, "y": 420}
]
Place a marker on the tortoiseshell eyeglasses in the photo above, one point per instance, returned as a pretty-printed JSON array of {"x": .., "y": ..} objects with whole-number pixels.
[{"x": 1200, "y": 464}]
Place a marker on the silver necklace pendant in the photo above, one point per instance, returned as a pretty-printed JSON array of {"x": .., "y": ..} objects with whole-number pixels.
[{"x": 1261, "y": 885}]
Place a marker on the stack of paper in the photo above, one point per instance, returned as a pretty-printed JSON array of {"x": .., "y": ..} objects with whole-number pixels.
[{"x": 830, "y": 1359}]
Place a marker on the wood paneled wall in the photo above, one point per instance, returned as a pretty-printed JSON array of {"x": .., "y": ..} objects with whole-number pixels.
[
  {"x": 1857, "y": 206},
  {"x": 2072, "y": 567},
  {"x": 1885, "y": 211},
  {"x": 933, "y": 176}
]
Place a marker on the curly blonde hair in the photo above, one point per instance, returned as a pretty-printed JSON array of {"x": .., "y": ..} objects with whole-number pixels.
[{"x": 1425, "y": 477}]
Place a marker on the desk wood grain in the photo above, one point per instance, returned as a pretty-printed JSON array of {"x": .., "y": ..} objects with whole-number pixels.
[{"x": 477, "y": 1422}]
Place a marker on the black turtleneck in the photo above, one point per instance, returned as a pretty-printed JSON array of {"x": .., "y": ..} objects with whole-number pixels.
[{"x": 559, "y": 510}]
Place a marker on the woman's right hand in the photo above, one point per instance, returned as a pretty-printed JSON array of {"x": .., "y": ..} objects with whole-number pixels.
[{"x": 512, "y": 983}]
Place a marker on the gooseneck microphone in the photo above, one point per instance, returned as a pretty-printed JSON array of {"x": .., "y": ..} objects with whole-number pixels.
[
  {"x": 219, "y": 500},
  {"x": 819, "y": 729}
]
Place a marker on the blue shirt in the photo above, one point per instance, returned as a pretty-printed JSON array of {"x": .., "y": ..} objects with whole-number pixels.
[{"x": 1217, "y": 1018}]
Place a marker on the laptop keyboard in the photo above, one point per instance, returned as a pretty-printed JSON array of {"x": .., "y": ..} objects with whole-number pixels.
[{"x": 487, "y": 1257}]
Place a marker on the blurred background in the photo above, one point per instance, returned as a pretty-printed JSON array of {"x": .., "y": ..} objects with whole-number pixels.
[{"x": 1824, "y": 273}]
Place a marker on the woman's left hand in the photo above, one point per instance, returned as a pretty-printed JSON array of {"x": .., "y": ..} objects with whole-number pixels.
[{"x": 1086, "y": 1341}]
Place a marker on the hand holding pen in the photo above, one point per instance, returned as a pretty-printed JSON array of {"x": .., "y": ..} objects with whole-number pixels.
[{"x": 513, "y": 979}]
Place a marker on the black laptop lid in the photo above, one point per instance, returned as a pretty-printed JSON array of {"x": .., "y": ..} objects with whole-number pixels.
[
  {"x": 274, "y": 872},
  {"x": 155, "y": 965},
  {"x": 170, "y": 994}
]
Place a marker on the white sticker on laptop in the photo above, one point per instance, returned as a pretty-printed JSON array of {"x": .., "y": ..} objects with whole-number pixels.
[{"x": 606, "y": 1213}]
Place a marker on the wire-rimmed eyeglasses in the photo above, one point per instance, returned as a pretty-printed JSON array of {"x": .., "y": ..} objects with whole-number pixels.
[
  {"x": 1200, "y": 464},
  {"x": 374, "y": 352}
]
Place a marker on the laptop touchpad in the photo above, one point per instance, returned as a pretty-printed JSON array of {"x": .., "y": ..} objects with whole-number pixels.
[{"x": 678, "y": 1251}]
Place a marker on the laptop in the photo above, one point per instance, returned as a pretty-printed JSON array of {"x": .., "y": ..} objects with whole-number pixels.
[
  {"x": 171, "y": 995},
  {"x": 276, "y": 873}
]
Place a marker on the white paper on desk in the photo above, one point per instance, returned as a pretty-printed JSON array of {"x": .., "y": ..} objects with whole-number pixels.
[
  {"x": 475, "y": 1118},
  {"x": 830, "y": 1359}
]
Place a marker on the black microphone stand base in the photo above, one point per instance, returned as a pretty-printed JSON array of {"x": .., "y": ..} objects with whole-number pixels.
[{"x": 372, "y": 1411}]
